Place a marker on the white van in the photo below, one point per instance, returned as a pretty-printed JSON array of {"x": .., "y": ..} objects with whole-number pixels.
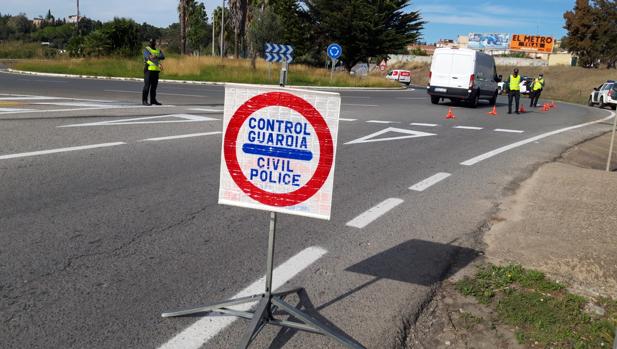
[{"x": 462, "y": 75}]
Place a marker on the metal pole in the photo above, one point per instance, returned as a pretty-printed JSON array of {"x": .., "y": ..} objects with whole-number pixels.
[
  {"x": 610, "y": 148},
  {"x": 270, "y": 262},
  {"x": 213, "y": 36},
  {"x": 77, "y": 23},
  {"x": 222, "y": 27}
]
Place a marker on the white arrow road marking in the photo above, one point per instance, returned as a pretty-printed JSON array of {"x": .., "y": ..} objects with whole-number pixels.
[
  {"x": 407, "y": 134},
  {"x": 206, "y": 328},
  {"x": 374, "y": 212},
  {"x": 507, "y": 130},
  {"x": 498, "y": 151},
  {"x": 59, "y": 150},
  {"x": 429, "y": 182},
  {"x": 148, "y": 120},
  {"x": 191, "y": 135}
]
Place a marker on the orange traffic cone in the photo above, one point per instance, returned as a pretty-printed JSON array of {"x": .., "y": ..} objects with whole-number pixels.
[
  {"x": 450, "y": 114},
  {"x": 522, "y": 109},
  {"x": 552, "y": 105},
  {"x": 546, "y": 107},
  {"x": 493, "y": 112}
]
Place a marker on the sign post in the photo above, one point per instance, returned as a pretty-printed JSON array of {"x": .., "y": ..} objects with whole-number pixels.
[
  {"x": 334, "y": 51},
  {"x": 278, "y": 155}
]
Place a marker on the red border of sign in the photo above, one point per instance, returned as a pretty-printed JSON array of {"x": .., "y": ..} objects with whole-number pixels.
[{"x": 326, "y": 149}]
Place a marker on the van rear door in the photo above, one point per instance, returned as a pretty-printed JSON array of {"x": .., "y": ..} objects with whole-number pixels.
[
  {"x": 441, "y": 69},
  {"x": 463, "y": 63}
]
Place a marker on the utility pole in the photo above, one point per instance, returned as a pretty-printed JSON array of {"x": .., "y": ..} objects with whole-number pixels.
[
  {"x": 222, "y": 29},
  {"x": 77, "y": 22},
  {"x": 182, "y": 27},
  {"x": 213, "y": 22}
]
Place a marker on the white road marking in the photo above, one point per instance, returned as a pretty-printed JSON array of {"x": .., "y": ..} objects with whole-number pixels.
[
  {"x": 498, "y": 151},
  {"x": 158, "y": 93},
  {"x": 210, "y": 110},
  {"x": 148, "y": 120},
  {"x": 382, "y": 122},
  {"x": 427, "y": 183},
  {"x": 469, "y": 127},
  {"x": 28, "y": 98},
  {"x": 357, "y": 97},
  {"x": 508, "y": 130},
  {"x": 407, "y": 134},
  {"x": 360, "y": 105},
  {"x": 374, "y": 212},
  {"x": 181, "y": 136},
  {"x": 423, "y": 124},
  {"x": 78, "y": 104},
  {"x": 59, "y": 150},
  {"x": 38, "y": 80},
  {"x": 3, "y": 110},
  {"x": 200, "y": 332},
  {"x": 82, "y": 109},
  {"x": 344, "y": 119}
]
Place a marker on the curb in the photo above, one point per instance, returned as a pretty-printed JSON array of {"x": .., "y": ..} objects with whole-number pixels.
[{"x": 192, "y": 82}]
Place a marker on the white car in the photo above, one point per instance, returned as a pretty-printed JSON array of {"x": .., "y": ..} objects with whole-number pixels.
[
  {"x": 525, "y": 83},
  {"x": 402, "y": 76},
  {"x": 603, "y": 95}
]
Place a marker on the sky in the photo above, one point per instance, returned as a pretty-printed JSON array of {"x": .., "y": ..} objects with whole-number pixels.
[{"x": 447, "y": 18}]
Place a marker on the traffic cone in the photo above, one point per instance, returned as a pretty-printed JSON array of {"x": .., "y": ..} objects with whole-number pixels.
[
  {"x": 522, "y": 109},
  {"x": 493, "y": 112},
  {"x": 552, "y": 105},
  {"x": 450, "y": 114},
  {"x": 546, "y": 107}
]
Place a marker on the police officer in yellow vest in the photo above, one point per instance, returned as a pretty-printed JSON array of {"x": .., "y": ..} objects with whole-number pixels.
[
  {"x": 513, "y": 85},
  {"x": 152, "y": 68},
  {"x": 536, "y": 90}
]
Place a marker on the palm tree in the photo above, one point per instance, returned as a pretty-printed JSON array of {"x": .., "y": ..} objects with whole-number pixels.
[{"x": 238, "y": 10}]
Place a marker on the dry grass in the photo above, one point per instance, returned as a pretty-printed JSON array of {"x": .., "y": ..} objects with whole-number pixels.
[
  {"x": 564, "y": 83},
  {"x": 205, "y": 68}
]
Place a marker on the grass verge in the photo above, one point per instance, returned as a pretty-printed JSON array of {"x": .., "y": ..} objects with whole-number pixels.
[
  {"x": 204, "y": 69},
  {"x": 543, "y": 312}
]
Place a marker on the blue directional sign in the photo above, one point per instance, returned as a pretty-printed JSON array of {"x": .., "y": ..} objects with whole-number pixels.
[
  {"x": 278, "y": 52},
  {"x": 334, "y": 51}
]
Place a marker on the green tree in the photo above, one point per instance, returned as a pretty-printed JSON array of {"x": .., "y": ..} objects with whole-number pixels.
[
  {"x": 198, "y": 32},
  {"x": 98, "y": 43},
  {"x": 49, "y": 17},
  {"x": 583, "y": 34},
  {"x": 606, "y": 26},
  {"x": 365, "y": 28},
  {"x": 122, "y": 35},
  {"x": 228, "y": 33},
  {"x": 264, "y": 27},
  {"x": 238, "y": 10},
  {"x": 19, "y": 26},
  {"x": 297, "y": 30}
]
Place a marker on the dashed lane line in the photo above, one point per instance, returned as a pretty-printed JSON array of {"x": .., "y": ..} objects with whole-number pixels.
[
  {"x": 208, "y": 110},
  {"x": 374, "y": 212},
  {"x": 423, "y": 124},
  {"x": 382, "y": 122},
  {"x": 199, "y": 333},
  {"x": 360, "y": 105},
  {"x": 469, "y": 127},
  {"x": 59, "y": 150},
  {"x": 345, "y": 119},
  {"x": 429, "y": 182},
  {"x": 508, "y": 130},
  {"x": 190, "y": 135},
  {"x": 503, "y": 149}
]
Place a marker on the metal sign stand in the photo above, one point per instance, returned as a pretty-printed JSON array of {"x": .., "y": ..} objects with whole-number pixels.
[
  {"x": 270, "y": 303},
  {"x": 334, "y": 61}
]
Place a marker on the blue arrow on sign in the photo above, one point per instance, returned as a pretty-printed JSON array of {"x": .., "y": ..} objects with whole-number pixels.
[{"x": 334, "y": 51}]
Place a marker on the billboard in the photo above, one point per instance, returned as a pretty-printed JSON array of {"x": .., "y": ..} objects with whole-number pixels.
[
  {"x": 532, "y": 43},
  {"x": 488, "y": 41}
]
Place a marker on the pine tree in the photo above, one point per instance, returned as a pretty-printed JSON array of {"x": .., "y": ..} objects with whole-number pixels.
[{"x": 583, "y": 35}]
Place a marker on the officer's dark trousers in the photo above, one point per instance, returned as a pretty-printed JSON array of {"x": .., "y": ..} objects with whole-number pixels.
[
  {"x": 535, "y": 96},
  {"x": 151, "y": 81},
  {"x": 516, "y": 95}
]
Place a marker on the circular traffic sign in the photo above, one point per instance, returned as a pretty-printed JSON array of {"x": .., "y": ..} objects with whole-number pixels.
[
  {"x": 334, "y": 51},
  {"x": 306, "y": 110}
]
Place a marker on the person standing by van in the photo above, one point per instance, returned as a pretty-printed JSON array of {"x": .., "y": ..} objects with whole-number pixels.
[
  {"x": 536, "y": 90},
  {"x": 514, "y": 90},
  {"x": 152, "y": 68}
]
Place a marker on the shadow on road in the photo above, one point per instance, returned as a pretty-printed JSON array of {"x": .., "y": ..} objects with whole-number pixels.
[{"x": 415, "y": 261}]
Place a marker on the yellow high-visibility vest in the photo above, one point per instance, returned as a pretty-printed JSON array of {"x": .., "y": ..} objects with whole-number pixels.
[
  {"x": 515, "y": 83},
  {"x": 154, "y": 65},
  {"x": 538, "y": 84}
]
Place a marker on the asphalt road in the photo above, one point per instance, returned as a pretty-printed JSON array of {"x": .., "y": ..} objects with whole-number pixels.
[{"x": 97, "y": 241}]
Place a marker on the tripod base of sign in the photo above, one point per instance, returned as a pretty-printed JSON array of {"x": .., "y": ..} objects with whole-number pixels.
[{"x": 270, "y": 304}]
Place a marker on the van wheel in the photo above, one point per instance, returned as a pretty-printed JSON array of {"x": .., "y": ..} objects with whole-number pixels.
[
  {"x": 601, "y": 105},
  {"x": 493, "y": 100},
  {"x": 614, "y": 106},
  {"x": 435, "y": 99},
  {"x": 589, "y": 102}
]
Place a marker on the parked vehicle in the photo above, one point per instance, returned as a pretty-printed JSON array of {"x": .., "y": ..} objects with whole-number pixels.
[
  {"x": 463, "y": 75},
  {"x": 603, "y": 95},
  {"x": 525, "y": 86},
  {"x": 402, "y": 76}
]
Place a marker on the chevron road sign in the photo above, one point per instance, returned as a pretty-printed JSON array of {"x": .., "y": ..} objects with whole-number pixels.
[{"x": 279, "y": 53}]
